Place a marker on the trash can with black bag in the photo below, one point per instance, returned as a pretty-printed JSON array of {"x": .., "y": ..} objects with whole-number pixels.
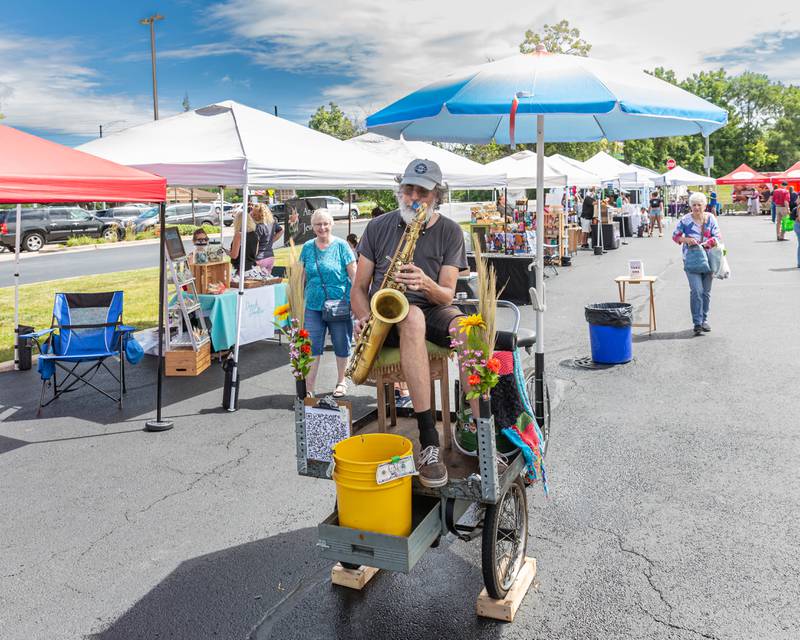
[
  {"x": 24, "y": 348},
  {"x": 610, "y": 332}
]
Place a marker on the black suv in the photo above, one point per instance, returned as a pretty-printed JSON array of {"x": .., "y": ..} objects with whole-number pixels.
[{"x": 44, "y": 225}]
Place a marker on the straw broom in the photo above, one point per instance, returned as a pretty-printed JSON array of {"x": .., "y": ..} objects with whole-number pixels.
[
  {"x": 297, "y": 281},
  {"x": 487, "y": 295}
]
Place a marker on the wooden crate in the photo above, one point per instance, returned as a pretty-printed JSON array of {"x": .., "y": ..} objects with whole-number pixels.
[
  {"x": 187, "y": 362},
  {"x": 210, "y": 272}
]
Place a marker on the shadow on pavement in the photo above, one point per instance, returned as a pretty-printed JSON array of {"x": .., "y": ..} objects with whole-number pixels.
[
  {"x": 279, "y": 588},
  {"x": 86, "y": 404},
  {"x": 784, "y": 269},
  {"x": 688, "y": 334}
]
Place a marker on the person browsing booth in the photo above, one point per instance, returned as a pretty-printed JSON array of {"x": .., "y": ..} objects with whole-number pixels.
[{"x": 430, "y": 287}]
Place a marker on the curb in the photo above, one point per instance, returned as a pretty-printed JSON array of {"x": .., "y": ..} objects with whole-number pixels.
[{"x": 60, "y": 249}]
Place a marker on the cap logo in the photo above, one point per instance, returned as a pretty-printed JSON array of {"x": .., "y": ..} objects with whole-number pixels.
[{"x": 421, "y": 168}]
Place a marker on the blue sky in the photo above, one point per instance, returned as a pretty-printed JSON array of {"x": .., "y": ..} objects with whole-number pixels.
[{"x": 68, "y": 67}]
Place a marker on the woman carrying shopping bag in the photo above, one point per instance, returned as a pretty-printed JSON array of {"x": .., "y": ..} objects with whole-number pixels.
[
  {"x": 330, "y": 269},
  {"x": 697, "y": 232}
]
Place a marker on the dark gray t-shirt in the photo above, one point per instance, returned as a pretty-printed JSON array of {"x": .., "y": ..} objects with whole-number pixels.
[{"x": 441, "y": 244}]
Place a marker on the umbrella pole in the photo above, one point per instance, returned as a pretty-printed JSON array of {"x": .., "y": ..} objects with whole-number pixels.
[
  {"x": 540, "y": 306},
  {"x": 231, "y": 392},
  {"x": 17, "y": 235},
  {"x": 159, "y": 424}
]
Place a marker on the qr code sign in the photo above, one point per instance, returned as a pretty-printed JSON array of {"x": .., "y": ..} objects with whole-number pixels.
[{"x": 324, "y": 428}]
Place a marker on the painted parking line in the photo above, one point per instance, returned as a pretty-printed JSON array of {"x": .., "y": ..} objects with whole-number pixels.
[{"x": 10, "y": 411}]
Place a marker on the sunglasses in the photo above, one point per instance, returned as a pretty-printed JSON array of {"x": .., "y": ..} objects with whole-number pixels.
[
  {"x": 408, "y": 189},
  {"x": 200, "y": 242}
]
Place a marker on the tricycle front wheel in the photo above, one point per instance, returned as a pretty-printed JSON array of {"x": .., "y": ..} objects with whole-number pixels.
[{"x": 505, "y": 540}]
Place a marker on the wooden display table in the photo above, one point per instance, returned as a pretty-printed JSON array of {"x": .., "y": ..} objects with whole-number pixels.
[{"x": 623, "y": 281}]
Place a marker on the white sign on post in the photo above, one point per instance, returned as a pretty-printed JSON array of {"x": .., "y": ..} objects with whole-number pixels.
[{"x": 635, "y": 269}]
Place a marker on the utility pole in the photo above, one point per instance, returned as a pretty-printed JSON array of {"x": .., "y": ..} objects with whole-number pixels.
[
  {"x": 101, "y": 130},
  {"x": 276, "y": 110},
  {"x": 151, "y": 21}
]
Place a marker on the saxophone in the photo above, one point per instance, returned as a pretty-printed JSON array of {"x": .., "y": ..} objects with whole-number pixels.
[{"x": 388, "y": 306}]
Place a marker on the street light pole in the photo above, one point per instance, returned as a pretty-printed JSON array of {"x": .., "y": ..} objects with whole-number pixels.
[{"x": 151, "y": 21}]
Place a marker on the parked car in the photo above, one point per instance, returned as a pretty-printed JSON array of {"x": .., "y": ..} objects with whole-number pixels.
[
  {"x": 179, "y": 214},
  {"x": 279, "y": 212},
  {"x": 337, "y": 207},
  {"x": 124, "y": 213},
  {"x": 44, "y": 225}
]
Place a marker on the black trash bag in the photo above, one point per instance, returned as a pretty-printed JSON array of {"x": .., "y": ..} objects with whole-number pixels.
[{"x": 609, "y": 314}]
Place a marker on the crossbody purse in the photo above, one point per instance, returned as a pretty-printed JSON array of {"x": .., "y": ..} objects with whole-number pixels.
[
  {"x": 332, "y": 310},
  {"x": 696, "y": 260}
]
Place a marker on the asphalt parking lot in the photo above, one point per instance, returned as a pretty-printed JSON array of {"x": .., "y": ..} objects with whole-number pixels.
[{"x": 675, "y": 489}]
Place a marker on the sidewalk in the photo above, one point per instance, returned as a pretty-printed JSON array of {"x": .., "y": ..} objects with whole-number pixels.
[
  {"x": 8, "y": 256},
  {"x": 674, "y": 489}
]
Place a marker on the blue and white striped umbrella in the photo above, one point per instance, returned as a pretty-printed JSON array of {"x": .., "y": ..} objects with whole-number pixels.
[{"x": 582, "y": 99}]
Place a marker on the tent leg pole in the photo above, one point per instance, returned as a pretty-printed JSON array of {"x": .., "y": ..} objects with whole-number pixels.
[
  {"x": 17, "y": 235},
  {"x": 230, "y": 397},
  {"x": 349, "y": 207},
  {"x": 539, "y": 357},
  {"x": 159, "y": 424}
]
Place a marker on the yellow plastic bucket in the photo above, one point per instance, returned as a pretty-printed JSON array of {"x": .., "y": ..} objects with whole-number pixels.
[{"x": 362, "y": 502}]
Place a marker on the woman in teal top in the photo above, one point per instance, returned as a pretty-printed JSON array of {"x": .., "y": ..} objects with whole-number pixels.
[{"x": 330, "y": 268}]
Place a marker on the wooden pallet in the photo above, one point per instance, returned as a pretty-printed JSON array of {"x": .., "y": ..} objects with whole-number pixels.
[
  {"x": 352, "y": 578},
  {"x": 506, "y": 608}
]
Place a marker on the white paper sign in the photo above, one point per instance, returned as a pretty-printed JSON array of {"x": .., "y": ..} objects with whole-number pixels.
[
  {"x": 635, "y": 269},
  {"x": 397, "y": 468},
  {"x": 258, "y": 307}
]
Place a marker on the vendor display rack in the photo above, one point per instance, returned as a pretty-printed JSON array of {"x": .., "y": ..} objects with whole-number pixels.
[{"x": 187, "y": 340}]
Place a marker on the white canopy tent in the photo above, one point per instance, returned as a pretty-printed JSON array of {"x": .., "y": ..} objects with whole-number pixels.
[
  {"x": 521, "y": 173},
  {"x": 679, "y": 177},
  {"x": 606, "y": 166},
  {"x": 458, "y": 172},
  {"x": 231, "y": 144},
  {"x": 577, "y": 174}
]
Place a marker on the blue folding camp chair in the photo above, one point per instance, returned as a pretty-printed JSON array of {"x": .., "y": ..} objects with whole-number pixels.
[{"x": 86, "y": 328}]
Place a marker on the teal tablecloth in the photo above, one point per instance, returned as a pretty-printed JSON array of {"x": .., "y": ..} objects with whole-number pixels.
[{"x": 221, "y": 312}]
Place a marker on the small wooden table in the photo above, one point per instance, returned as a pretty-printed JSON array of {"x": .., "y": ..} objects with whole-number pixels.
[{"x": 623, "y": 281}]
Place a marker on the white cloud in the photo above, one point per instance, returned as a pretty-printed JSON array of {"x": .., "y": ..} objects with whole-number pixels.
[
  {"x": 388, "y": 49},
  {"x": 45, "y": 85}
]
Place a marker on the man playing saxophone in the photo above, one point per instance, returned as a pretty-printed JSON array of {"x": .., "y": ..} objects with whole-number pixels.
[{"x": 430, "y": 283}]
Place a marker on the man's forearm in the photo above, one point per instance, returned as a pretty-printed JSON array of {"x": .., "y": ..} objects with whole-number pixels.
[
  {"x": 436, "y": 293},
  {"x": 359, "y": 302}
]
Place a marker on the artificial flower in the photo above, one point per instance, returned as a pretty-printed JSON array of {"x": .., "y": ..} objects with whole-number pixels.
[
  {"x": 468, "y": 323},
  {"x": 306, "y": 348},
  {"x": 303, "y": 333},
  {"x": 493, "y": 364},
  {"x": 282, "y": 311},
  {"x": 474, "y": 380}
]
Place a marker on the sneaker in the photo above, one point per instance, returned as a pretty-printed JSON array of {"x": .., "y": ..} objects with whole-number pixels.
[
  {"x": 403, "y": 402},
  {"x": 698, "y": 329},
  {"x": 432, "y": 472},
  {"x": 705, "y": 327}
]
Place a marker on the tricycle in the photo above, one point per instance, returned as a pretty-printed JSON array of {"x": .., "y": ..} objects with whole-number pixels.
[{"x": 493, "y": 485}]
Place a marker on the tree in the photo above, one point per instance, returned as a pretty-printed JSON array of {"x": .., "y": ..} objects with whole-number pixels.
[
  {"x": 557, "y": 38},
  {"x": 783, "y": 139},
  {"x": 185, "y": 104},
  {"x": 333, "y": 121}
]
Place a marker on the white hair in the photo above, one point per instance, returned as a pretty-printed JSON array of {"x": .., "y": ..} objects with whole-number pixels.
[
  {"x": 321, "y": 213},
  {"x": 698, "y": 198}
]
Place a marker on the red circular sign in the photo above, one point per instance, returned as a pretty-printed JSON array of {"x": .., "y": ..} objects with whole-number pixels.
[{"x": 671, "y": 164}]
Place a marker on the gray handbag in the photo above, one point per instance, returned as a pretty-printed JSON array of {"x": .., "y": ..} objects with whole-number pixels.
[{"x": 332, "y": 310}]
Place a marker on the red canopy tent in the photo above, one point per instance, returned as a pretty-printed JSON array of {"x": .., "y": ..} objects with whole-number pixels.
[
  {"x": 792, "y": 174},
  {"x": 744, "y": 175},
  {"x": 36, "y": 170}
]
